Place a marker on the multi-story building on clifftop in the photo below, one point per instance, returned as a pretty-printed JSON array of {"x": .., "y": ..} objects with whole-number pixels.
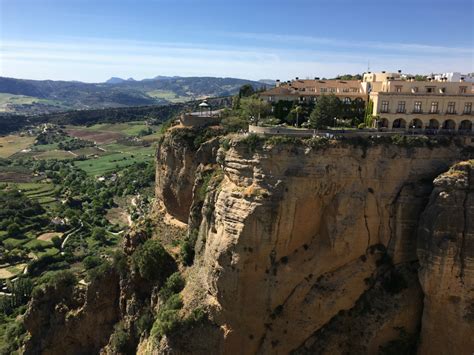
[
  {"x": 403, "y": 103},
  {"x": 396, "y": 101},
  {"x": 310, "y": 89}
]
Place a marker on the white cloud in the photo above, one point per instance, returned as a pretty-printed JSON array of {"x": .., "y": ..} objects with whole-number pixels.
[
  {"x": 390, "y": 46},
  {"x": 95, "y": 59}
]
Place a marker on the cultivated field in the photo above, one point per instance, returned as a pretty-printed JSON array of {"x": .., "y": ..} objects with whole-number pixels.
[{"x": 12, "y": 144}]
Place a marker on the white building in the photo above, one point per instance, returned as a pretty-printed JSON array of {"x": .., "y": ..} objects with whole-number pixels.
[{"x": 455, "y": 76}]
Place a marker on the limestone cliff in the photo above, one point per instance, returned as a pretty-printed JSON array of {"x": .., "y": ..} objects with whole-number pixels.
[
  {"x": 446, "y": 252},
  {"x": 179, "y": 154},
  {"x": 305, "y": 247},
  {"x": 68, "y": 320},
  {"x": 295, "y": 234}
]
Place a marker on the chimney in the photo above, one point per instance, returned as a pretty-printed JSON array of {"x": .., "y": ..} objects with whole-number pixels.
[
  {"x": 462, "y": 79},
  {"x": 277, "y": 83},
  {"x": 383, "y": 71},
  {"x": 297, "y": 78},
  {"x": 399, "y": 71}
]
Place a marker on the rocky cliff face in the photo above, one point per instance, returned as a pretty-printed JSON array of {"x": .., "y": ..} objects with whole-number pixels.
[
  {"x": 301, "y": 240},
  {"x": 446, "y": 252},
  {"x": 315, "y": 247},
  {"x": 179, "y": 155},
  {"x": 68, "y": 320}
]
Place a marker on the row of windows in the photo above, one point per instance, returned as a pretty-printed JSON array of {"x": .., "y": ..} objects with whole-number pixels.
[
  {"x": 431, "y": 89},
  {"x": 417, "y": 108},
  {"x": 331, "y": 90}
]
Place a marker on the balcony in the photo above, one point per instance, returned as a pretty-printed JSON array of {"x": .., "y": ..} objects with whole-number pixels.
[
  {"x": 451, "y": 112},
  {"x": 434, "y": 111},
  {"x": 417, "y": 111},
  {"x": 401, "y": 110},
  {"x": 384, "y": 111}
]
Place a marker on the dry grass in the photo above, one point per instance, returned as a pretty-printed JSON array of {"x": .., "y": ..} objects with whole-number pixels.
[
  {"x": 48, "y": 236},
  {"x": 12, "y": 144},
  {"x": 100, "y": 137}
]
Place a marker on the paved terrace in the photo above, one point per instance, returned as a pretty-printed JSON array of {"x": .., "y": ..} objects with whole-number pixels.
[{"x": 468, "y": 136}]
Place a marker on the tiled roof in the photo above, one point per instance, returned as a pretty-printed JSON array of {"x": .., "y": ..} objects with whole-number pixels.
[{"x": 313, "y": 87}]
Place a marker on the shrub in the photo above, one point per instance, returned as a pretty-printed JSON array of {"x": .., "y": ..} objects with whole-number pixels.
[
  {"x": 99, "y": 271},
  {"x": 252, "y": 141},
  {"x": 174, "y": 284},
  {"x": 119, "y": 263},
  {"x": 145, "y": 322},
  {"x": 167, "y": 321},
  {"x": 120, "y": 339},
  {"x": 152, "y": 261},
  {"x": 187, "y": 247},
  {"x": 56, "y": 279},
  {"x": 276, "y": 140},
  {"x": 91, "y": 261}
]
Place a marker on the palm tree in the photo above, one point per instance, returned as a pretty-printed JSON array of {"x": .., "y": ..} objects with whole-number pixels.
[{"x": 297, "y": 110}]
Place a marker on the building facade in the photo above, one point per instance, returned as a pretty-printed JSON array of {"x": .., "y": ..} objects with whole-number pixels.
[
  {"x": 398, "y": 101},
  {"x": 419, "y": 105},
  {"x": 309, "y": 90}
]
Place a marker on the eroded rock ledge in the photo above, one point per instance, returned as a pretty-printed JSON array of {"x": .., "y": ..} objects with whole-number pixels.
[{"x": 294, "y": 235}]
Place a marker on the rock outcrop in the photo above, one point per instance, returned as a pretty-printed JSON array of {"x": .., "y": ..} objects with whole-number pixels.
[
  {"x": 70, "y": 320},
  {"x": 446, "y": 254},
  {"x": 178, "y": 156},
  {"x": 296, "y": 234},
  {"x": 315, "y": 247}
]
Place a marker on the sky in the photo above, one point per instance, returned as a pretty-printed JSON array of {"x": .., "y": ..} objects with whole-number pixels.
[{"x": 93, "y": 40}]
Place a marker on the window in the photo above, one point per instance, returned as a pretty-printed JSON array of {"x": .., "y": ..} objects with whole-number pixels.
[
  {"x": 354, "y": 90},
  {"x": 417, "y": 107},
  {"x": 468, "y": 108},
  {"x": 401, "y": 107},
  {"x": 324, "y": 89},
  {"x": 347, "y": 100},
  {"x": 463, "y": 90},
  {"x": 398, "y": 88},
  {"x": 332, "y": 90},
  {"x": 345, "y": 90},
  {"x": 270, "y": 98},
  {"x": 414, "y": 90},
  {"x": 442, "y": 90},
  {"x": 434, "y": 107},
  {"x": 451, "y": 107},
  {"x": 384, "y": 108},
  {"x": 430, "y": 89}
]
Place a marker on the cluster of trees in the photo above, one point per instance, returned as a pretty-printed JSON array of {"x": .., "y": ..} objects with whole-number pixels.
[
  {"x": 249, "y": 108},
  {"x": 18, "y": 213},
  {"x": 329, "y": 110},
  {"x": 75, "y": 144}
]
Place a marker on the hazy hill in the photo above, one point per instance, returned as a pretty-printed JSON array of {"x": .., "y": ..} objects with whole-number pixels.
[{"x": 43, "y": 96}]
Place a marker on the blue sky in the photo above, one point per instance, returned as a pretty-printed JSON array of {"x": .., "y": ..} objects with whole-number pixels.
[{"x": 92, "y": 40}]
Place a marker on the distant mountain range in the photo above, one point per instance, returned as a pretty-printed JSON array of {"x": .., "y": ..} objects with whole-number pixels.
[{"x": 45, "y": 96}]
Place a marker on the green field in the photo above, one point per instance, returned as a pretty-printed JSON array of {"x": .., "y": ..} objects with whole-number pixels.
[
  {"x": 128, "y": 128},
  {"x": 39, "y": 191},
  {"x": 168, "y": 95},
  {"x": 118, "y": 156},
  {"x": 11, "y": 99}
]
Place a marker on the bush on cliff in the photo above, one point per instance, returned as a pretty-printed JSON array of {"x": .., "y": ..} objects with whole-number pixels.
[
  {"x": 173, "y": 285},
  {"x": 151, "y": 261},
  {"x": 252, "y": 141}
]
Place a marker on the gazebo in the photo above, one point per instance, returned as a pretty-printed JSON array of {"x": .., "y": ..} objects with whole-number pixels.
[{"x": 205, "y": 109}]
